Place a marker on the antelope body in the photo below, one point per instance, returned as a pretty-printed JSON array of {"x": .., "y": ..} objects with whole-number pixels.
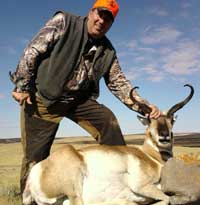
[{"x": 124, "y": 175}]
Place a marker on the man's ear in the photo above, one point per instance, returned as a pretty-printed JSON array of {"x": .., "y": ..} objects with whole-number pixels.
[
  {"x": 144, "y": 120},
  {"x": 91, "y": 11}
]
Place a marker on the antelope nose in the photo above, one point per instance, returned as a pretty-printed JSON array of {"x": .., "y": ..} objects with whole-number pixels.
[{"x": 164, "y": 134}]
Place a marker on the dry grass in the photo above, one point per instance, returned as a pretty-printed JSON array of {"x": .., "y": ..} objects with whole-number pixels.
[
  {"x": 11, "y": 155},
  {"x": 191, "y": 158},
  {"x": 10, "y": 161}
]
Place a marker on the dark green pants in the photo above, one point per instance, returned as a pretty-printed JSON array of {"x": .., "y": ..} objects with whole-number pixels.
[{"x": 40, "y": 124}]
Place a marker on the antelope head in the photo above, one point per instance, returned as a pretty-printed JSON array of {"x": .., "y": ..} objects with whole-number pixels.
[{"x": 159, "y": 131}]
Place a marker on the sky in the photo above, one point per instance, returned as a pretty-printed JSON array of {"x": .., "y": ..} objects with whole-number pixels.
[{"x": 157, "y": 43}]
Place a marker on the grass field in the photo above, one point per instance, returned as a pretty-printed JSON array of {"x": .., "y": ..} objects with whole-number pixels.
[{"x": 10, "y": 162}]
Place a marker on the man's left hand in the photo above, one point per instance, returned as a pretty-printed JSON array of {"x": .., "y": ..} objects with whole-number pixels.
[{"x": 155, "y": 112}]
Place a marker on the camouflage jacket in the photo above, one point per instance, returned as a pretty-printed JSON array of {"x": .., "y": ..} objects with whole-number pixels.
[{"x": 44, "y": 40}]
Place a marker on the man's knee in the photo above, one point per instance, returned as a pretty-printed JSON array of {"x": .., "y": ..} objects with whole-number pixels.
[
  {"x": 110, "y": 132},
  {"x": 109, "y": 117}
]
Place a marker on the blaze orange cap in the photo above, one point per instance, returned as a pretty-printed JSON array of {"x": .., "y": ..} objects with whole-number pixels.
[{"x": 109, "y": 5}]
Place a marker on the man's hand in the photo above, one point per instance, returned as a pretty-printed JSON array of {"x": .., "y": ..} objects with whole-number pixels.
[
  {"x": 22, "y": 97},
  {"x": 155, "y": 113}
]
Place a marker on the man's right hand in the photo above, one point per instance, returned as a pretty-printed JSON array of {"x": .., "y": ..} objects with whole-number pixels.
[{"x": 22, "y": 97}]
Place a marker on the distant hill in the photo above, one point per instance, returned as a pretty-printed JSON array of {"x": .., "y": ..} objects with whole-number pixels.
[
  {"x": 10, "y": 140},
  {"x": 180, "y": 139}
]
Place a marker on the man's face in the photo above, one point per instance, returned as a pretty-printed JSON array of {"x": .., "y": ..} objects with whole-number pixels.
[{"x": 99, "y": 22}]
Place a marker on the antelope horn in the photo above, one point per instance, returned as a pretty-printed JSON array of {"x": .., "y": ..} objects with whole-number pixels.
[
  {"x": 179, "y": 105},
  {"x": 143, "y": 107}
]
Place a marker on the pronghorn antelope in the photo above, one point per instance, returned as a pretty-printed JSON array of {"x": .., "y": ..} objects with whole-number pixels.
[{"x": 115, "y": 175}]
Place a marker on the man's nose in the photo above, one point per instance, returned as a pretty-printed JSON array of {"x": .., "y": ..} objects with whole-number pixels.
[{"x": 101, "y": 20}]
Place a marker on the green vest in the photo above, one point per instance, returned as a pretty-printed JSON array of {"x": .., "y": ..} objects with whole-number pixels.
[{"x": 58, "y": 65}]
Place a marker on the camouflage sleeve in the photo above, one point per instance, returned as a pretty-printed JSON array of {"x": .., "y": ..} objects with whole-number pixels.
[
  {"x": 24, "y": 75},
  {"x": 121, "y": 87}
]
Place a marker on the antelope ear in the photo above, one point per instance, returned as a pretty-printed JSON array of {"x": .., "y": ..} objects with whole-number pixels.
[
  {"x": 174, "y": 119},
  {"x": 144, "y": 120}
]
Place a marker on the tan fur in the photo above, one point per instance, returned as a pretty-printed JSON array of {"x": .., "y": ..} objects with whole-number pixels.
[
  {"x": 136, "y": 152},
  {"x": 55, "y": 179}
]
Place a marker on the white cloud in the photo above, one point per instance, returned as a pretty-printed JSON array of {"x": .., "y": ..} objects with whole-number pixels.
[
  {"x": 154, "y": 74},
  {"x": 150, "y": 72},
  {"x": 158, "y": 11},
  {"x": 139, "y": 58},
  {"x": 2, "y": 96},
  {"x": 24, "y": 41},
  {"x": 184, "y": 14},
  {"x": 164, "y": 34},
  {"x": 165, "y": 54},
  {"x": 181, "y": 79},
  {"x": 122, "y": 54},
  {"x": 132, "y": 44},
  {"x": 186, "y": 5},
  {"x": 8, "y": 49},
  {"x": 185, "y": 10},
  {"x": 150, "y": 69},
  {"x": 133, "y": 74},
  {"x": 146, "y": 49},
  {"x": 163, "y": 51},
  {"x": 156, "y": 78},
  {"x": 184, "y": 59}
]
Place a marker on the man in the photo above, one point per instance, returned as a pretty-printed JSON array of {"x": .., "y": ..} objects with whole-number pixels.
[{"x": 58, "y": 76}]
